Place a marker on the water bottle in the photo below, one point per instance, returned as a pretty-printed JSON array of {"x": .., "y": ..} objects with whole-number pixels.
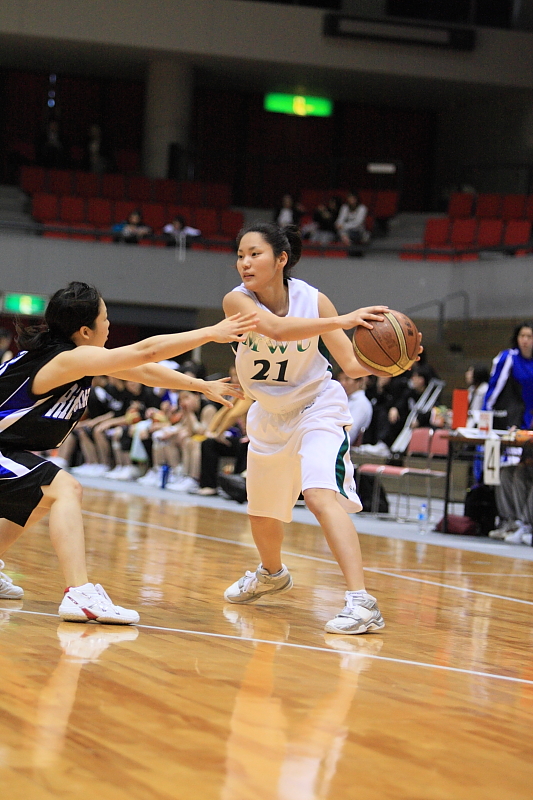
[
  {"x": 165, "y": 475},
  {"x": 423, "y": 518}
]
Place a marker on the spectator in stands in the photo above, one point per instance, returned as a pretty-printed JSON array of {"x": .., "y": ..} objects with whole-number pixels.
[
  {"x": 359, "y": 405},
  {"x": 141, "y": 398},
  {"x": 404, "y": 403},
  {"x": 224, "y": 437},
  {"x": 514, "y": 500},
  {"x": 50, "y": 149},
  {"x": 133, "y": 230},
  {"x": 96, "y": 158},
  {"x": 350, "y": 223},
  {"x": 289, "y": 212},
  {"x": 98, "y": 410},
  {"x": 324, "y": 218},
  {"x": 5, "y": 345},
  {"x": 477, "y": 381},
  {"x": 178, "y": 232}
]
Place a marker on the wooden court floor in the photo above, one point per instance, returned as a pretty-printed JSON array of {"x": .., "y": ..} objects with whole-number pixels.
[{"x": 209, "y": 701}]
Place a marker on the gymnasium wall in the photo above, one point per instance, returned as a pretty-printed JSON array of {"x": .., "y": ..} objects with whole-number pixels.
[
  {"x": 497, "y": 287},
  {"x": 261, "y": 32}
]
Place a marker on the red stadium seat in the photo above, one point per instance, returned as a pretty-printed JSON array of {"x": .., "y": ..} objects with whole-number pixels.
[
  {"x": 311, "y": 198},
  {"x": 528, "y": 211},
  {"x": 154, "y": 215},
  {"x": 60, "y": 181},
  {"x": 386, "y": 205},
  {"x": 368, "y": 199},
  {"x": 488, "y": 205},
  {"x": 217, "y": 195},
  {"x": 87, "y": 184},
  {"x": 231, "y": 222},
  {"x": 60, "y": 233},
  {"x": 518, "y": 232},
  {"x": 72, "y": 209},
  {"x": 463, "y": 234},
  {"x": 113, "y": 187},
  {"x": 206, "y": 219},
  {"x": 461, "y": 205},
  {"x": 436, "y": 235},
  {"x": 165, "y": 191},
  {"x": 489, "y": 232},
  {"x": 140, "y": 188},
  {"x": 191, "y": 193},
  {"x": 32, "y": 179},
  {"x": 44, "y": 207},
  {"x": 99, "y": 212},
  {"x": 513, "y": 206}
]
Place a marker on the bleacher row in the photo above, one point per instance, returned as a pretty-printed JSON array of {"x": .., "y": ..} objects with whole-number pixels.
[
  {"x": 490, "y": 206},
  {"x": 462, "y": 239},
  {"x": 99, "y": 215},
  {"x": 116, "y": 186},
  {"x": 381, "y": 205}
]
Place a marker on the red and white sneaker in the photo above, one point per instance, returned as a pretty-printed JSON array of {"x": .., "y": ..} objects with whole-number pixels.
[{"x": 91, "y": 602}]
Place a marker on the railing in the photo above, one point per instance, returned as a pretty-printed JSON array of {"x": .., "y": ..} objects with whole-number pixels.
[{"x": 441, "y": 306}]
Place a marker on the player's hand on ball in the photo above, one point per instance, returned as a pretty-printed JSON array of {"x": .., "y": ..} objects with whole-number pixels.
[
  {"x": 219, "y": 391},
  {"x": 363, "y": 316},
  {"x": 234, "y": 328}
]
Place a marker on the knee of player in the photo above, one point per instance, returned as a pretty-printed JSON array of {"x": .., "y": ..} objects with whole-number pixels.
[
  {"x": 66, "y": 484},
  {"x": 317, "y": 500}
]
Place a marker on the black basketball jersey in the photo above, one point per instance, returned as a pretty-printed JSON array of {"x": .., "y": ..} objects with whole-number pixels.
[{"x": 38, "y": 422}]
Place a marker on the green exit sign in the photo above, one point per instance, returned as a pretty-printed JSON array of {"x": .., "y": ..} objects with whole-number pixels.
[
  {"x": 298, "y": 104},
  {"x": 29, "y": 305}
]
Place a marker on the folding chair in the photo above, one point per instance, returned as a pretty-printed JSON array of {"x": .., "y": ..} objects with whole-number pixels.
[{"x": 420, "y": 444}]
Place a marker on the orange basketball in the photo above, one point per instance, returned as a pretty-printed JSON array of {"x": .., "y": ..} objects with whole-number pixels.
[{"x": 390, "y": 348}]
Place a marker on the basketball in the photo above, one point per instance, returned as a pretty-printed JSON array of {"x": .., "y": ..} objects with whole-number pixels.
[{"x": 390, "y": 348}]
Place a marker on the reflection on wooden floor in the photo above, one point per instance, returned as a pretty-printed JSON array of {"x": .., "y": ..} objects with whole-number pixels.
[{"x": 206, "y": 700}]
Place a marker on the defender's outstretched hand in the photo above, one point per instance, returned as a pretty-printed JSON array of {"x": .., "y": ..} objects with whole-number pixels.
[
  {"x": 234, "y": 328},
  {"x": 218, "y": 391},
  {"x": 363, "y": 316}
]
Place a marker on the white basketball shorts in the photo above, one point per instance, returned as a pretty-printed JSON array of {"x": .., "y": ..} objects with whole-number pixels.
[{"x": 306, "y": 449}]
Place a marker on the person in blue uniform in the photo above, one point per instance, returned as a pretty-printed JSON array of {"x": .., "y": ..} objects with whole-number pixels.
[{"x": 43, "y": 393}]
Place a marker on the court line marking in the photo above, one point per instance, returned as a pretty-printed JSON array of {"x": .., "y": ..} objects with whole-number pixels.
[
  {"x": 310, "y": 647},
  {"x": 459, "y": 574},
  {"x": 308, "y": 558}
]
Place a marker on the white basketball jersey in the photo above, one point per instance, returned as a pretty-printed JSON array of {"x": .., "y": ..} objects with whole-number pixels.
[{"x": 283, "y": 376}]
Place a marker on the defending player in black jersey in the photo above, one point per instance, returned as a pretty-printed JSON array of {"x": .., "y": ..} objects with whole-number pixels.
[{"x": 43, "y": 394}]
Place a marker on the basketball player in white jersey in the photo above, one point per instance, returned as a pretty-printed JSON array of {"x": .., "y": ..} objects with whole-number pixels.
[
  {"x": 298, "y": 425},
  {"x": 43, "y": 394}
]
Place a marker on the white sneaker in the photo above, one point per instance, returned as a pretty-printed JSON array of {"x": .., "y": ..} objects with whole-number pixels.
[
  {"x": 8, "y": 590},
  {"x": 115, "y": 472},
  {"x": 254, "y": 585},
  {"x": 91, "y": 602},
  {"x": 359, "y": 615},
  {"x": 527, "y": 537},
  {"x": 516, "y": 537},
  {"x": 151, "y": 478},
  {"x": 182, "y": 485},
  {"x": 129, "y": 473},
  {"x": 505, "y": 527}
]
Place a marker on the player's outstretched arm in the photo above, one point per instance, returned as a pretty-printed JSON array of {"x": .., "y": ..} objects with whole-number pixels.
[
  {"x": 291, "y": 329},
  {"x": 339, "y": 344},
  {"x": 72, "y": 365},
  {"x": 158, "y": 375}
]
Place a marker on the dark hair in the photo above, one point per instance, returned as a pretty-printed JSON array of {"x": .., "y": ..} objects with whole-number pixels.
[
  {"x": 480, "y": 374},
  {"x": 282, "y": 240},
  {"x": 67, "y": 311},
  {"x": 518, "y": 328},
  {"x": 424, "y": 370},
  {"x": 4, "y": 333}
]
